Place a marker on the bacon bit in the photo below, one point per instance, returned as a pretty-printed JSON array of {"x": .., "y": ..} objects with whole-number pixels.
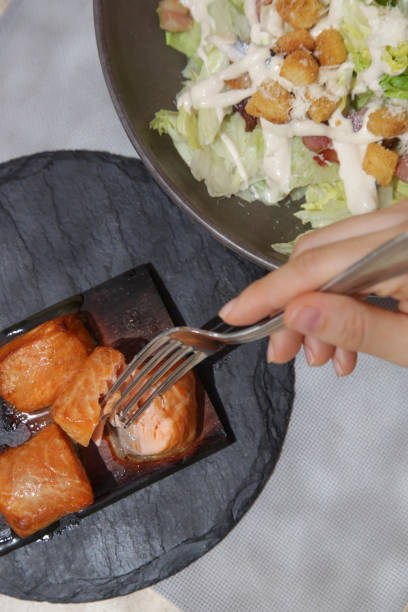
[
  {"x": 320, "y": 160},
  {"x": 241, "y": 82},
  {"x": 250, "y": 121},
  {"x": 174, "y": 17},
  {"x": 401, "y": 171},
  {"x": 330, "y": 155},
  {"x": 316, "y": 144},
  {"x": 325, "y": 157}
]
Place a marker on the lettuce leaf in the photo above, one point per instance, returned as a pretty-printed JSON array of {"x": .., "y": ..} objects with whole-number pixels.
[
  {"x": 193, "y": 68},
  {"x": 355, "y": 30},
  {"x": 285, "y": 248},
  {"x": 261, "y": 191},
  {"x": 239, "y": 4},
  {"x": 395, "y": 86},
  {"x": 216, "y": 163},
  {"x": 185, "y": 42},
  {"x": 361, "y": 100},
  {"x": 325, "y": 204},
  {"x": 403, "y": 6},
  {"x": 168, "y": 122},
  {"x": 386, "y": 2},
  {"x": 209, "y": 122},
  {"x": 212, "y": 153},
  {"x": 228, "y": 16},
  {"x": 305, "y": 170},
  {"x": 397, "y": 57},
  {"x": 399, "y": 190}
]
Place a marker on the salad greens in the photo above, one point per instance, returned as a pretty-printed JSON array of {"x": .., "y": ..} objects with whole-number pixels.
[{"x": 209, "y": 128}]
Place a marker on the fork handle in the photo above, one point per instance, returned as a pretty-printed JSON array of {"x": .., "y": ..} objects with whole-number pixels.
[{"x": 386, "y": 261}]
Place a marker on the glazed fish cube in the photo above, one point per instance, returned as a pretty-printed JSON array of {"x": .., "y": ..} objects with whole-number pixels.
[{"x": 41, "y": 481}]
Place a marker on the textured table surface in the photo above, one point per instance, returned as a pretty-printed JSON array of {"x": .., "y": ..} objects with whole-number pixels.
[{"x": 329, "y": 532}]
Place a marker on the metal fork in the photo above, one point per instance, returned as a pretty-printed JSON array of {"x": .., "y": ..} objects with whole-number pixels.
[{"x": 174, "y": 352}]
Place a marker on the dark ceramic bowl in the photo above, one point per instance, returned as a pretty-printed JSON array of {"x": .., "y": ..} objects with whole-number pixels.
[{"x": 143, "y": 76}]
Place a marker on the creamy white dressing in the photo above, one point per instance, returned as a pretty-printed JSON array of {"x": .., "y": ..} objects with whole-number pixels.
[
  {"x": 310, "y": 128},
  {"x": 336, "y": 79},
  {"x": 360, "y": 187},
  {"x": 333, "y": 83},
  {"x": 277, "y": 160},
  {"x": 272, "y": 22},
  {"x": 208, "y": 93},
  {"x": 199, "y": 12},
  {"x": 250, "y": 12},
  {"x": 332, "y": 19},
  {"x": 300, "y": 103},
  {"x": 225, "y": 43}
]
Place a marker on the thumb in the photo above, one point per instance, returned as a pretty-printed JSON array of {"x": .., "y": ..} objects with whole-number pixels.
[{"x": 350, "y": 324}]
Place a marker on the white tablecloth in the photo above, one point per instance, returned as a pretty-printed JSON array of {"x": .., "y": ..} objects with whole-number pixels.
[{"x": 330, "y": 530}]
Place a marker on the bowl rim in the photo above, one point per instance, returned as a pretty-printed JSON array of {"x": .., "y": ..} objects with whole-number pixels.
[{"x": 164, "y": 182}]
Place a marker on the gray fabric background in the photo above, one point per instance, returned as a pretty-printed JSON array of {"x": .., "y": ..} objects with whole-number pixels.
[{"x": 330, "y": 531}]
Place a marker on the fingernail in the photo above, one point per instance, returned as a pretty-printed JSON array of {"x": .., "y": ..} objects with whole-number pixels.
[
  {"x": 227, "y": 308},
  {"x": 309, "y": 356},
  {"x": 270, "y": 352},
  {"x": 305, "y": 319},
  {"x": 338, "y": 368}
]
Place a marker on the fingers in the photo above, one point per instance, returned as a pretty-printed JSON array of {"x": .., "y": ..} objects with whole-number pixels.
[
  {"x": 396, "y": 287},
  {"x": 403, "y": 306},
  {"x": 305, "y": 273},
  {"x": 317, "y": 352},
  {"x": 350, "y": 324},
  {"x": 351, "y": 227},
  {"x": 283, "y": 346},
  {"x": 344, "y": 361}
]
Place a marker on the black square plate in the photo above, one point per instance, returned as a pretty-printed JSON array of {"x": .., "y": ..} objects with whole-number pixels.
[{"x": 125, "y": 313}]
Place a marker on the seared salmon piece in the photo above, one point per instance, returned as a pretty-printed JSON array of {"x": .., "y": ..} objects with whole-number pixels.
[
  {"x": 41, "y": 481},
  {"x": 77, "y": 410},
  {"x": 168, "y": 424},
  {"x": 35, "y": 367}
]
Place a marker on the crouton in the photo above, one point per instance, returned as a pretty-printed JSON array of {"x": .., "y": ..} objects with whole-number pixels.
[
  {"x": 296, "y": 39},
  {"x": 301, "y": 14},
  {"x": 380, "y": 163},
  {"x": 330, "y": 48},
  {"x": 321, "y": 109},
  {"x": 271, "y": 101},
  {"x": 300, "y": 68},
  {"x": 388, "y": 122},
  {"x": 241, "y": 82}
]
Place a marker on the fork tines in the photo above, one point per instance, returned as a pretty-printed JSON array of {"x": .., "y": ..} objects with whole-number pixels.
[{"x": 162, "y": 356}]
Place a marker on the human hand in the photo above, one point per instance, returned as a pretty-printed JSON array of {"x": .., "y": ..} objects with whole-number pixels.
[{"x": 331, "y": 326}]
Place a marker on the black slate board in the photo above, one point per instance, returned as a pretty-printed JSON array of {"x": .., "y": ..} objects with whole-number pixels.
[{"x": 71, "y": 220}]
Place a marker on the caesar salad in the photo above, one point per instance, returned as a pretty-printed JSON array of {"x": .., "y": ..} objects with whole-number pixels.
[{"x": 305, "y": 98}]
